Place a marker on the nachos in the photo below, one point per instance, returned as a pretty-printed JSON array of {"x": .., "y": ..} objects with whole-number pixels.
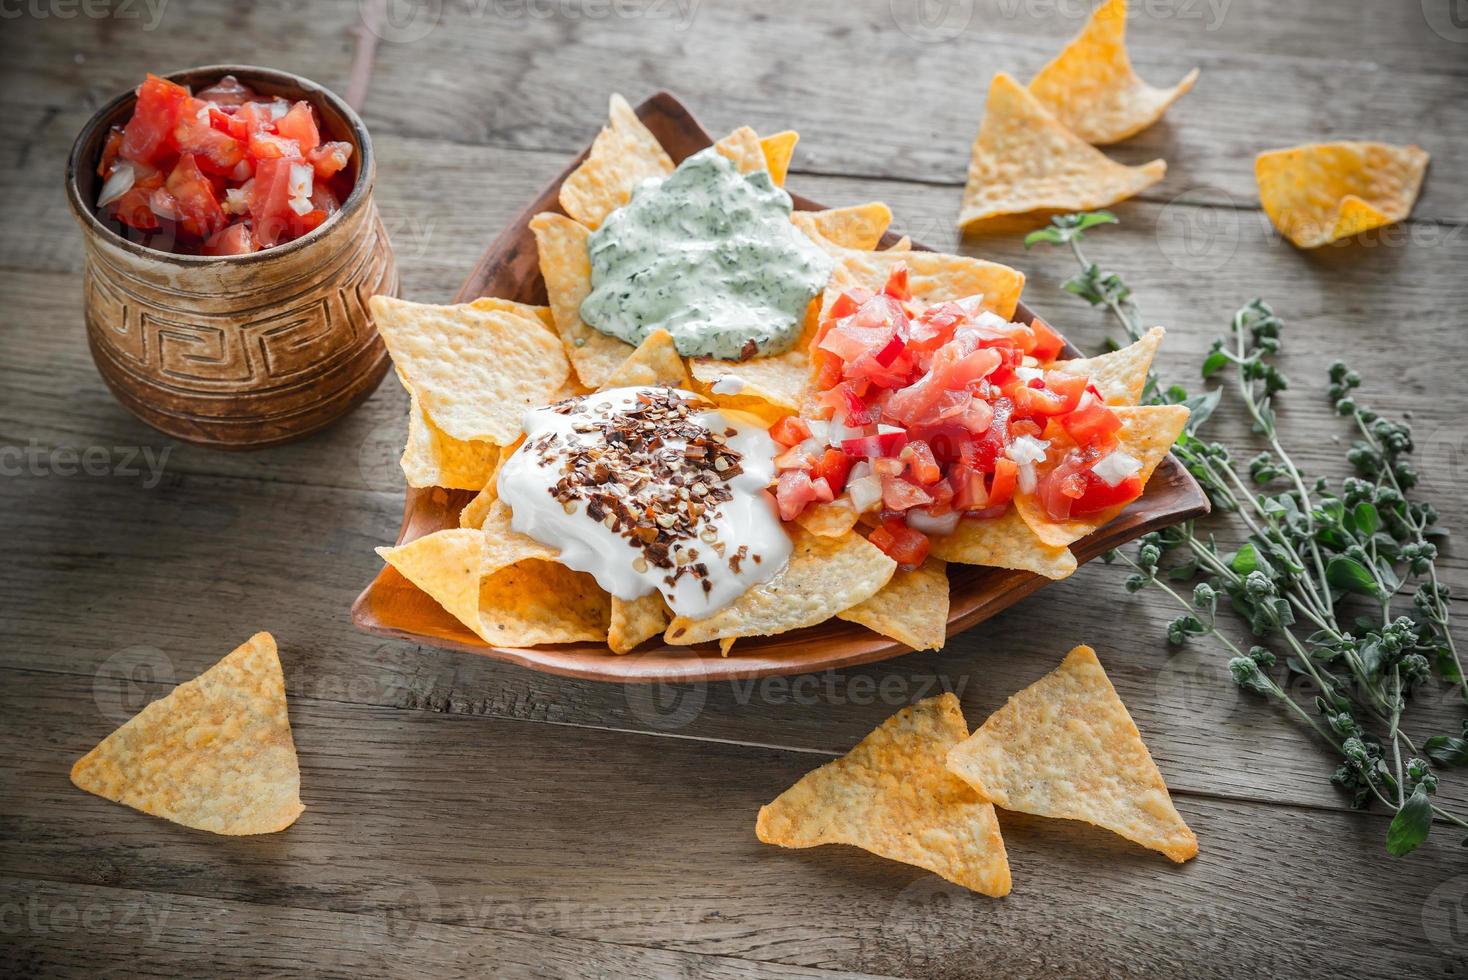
[{"x": 734, "y": 419}]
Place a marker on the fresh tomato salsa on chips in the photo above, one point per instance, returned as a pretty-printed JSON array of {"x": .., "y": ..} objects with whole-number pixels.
[
  {"x": 225, "y": 171},
  {"x": 734, "y": 419}
]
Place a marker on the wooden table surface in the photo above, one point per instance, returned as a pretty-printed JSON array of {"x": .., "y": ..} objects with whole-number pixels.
[{"x": 470, "y": 818}]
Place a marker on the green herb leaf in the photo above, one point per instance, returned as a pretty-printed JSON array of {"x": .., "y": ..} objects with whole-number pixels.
[
  {"x": 1409, "y": 828},
  {"x": 1367, "y": 519},
  {"x": 1349, "y": 575},
  {"x": 1447, "y": 750},
  {"x": 1214, "y": 363}
]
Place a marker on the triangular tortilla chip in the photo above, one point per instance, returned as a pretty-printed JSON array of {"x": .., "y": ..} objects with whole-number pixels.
[
  {"x": 892, "y": 796},
  {"x": 624, "y": 154},
  {"x": 565, "y": 265},
  {"x": 1024, "y": 160},
  {"x": 636, "y": 621},
  {"x": 1320, "y": 192},
  {"x": 1066, "y": 747},
  {"x": 778, "y": 149},
  {"x": 781, "y": 380},
  {"x": 824, "y": 576},
  {"x": 860, "y": 226},
  {"x": 535, "y": 314},
  {"x": 656, "y": 361},
  {"x": 214, "y": 754},
  {"x": 1147, "y": 433},
  {"x": 433, "y": 458},
  {"x": 474, "y": 371},
  {"x": 1121, "y": 375},
  {"x": 933, "y": 277},
  {"x": 903, "y": 244},
  {"x": 476, "y": 511},
  {"x": 829, "y": 520},
  {"x": 1091, "y": 88},
  {"x": 1005, "y": 541},
  {"x": 506, "y": 587},
  {"x": 912, "y": 608},
  {"x": 743, "y": 147}
]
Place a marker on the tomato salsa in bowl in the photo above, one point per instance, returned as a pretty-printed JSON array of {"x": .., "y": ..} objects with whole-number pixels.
[{"x": 227, "y": 275}]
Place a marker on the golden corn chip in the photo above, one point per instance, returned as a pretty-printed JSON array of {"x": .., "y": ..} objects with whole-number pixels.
[
  {"x": 474, "y": 371},
  {"x": 743, "y": 147},
  {"x": 1091, "y": 88},
  {"x": 623, "y": 155},
  {"x": 1320, "y": 192},
  {"x": 1147, "y": 433},
  {"x": 476, "y": 511},
  {"x": 656, "y": 361},
  {"x": 777, "y": 150},
  {"x": 780, "y": 381},
  {"x": 535, "y": 314},
  {"x": 565, "y": 265},
  {"x": 860, "y": 226},
  {"x": 433, "y": 458},
  {"x": 903, "y": 244},
  {"x": 933, "y": 277},
  {"x": 726, "y": 644},
  {"x": 537, "y": 601},
  {"x": 1005, "y": 541},
  {"x": 829, "y": 520},
  {"x": 912, "y": 608},
  {"x": 892, "y": 796},
  {"x": 824, "y": 576},
  {"x": 1066, "y": 747},
  {"x": 1024, "y": 160},
  {"x": 506, "y": 587},
  {"x": 214, "y": 754},
  {"x": 636, "y": 621},
  {"x": 1121, "y": 375}
]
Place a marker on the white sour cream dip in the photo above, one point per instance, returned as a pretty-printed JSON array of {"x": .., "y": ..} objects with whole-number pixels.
[{"x": 650, "y": 488}]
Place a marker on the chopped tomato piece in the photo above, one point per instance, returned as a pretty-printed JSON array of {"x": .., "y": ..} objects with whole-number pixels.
[
  {"x": 1006, "y": 477},
  {"x": 299, "y": 125},
  {"x": 834, "y": 467},
  {"x": 233, "y": 240},
  {"x": 268, "y": 146},
  {"x": 920, "y": 462},
  {"x": 109, "y": 151},
  {"x": 790, "y": 430},
  {"x": 899, "y": 494},
  {"x": 134, "y": 208},
  {"x": 883, "y": 444},
  {"x": 1059, "y": 393},
  {"x": 198, "y": 209},
  {"x": 146, "y": 136},
  {"x": 214, "y": 151},
  {"x": 330, "y": 158},
  {"x": 897, "y": 286},
  {"x": 794, "y": 491},
  {"x": 901, "y": 543},
  {"x": 1091, "y": 421},
  {"x": 1048, "y": 343}
]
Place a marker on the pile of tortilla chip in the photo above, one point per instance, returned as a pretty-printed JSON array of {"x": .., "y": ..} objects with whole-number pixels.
[
  {"x": 1035, "y": 152},
  {"x": 472, "y": 370},
  {"x": 214, "y": 754},
  {"x": 922, "y": 790},
  {"x": 1321, "y": 192}
]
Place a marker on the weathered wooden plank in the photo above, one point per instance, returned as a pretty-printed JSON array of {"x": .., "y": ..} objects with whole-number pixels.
[
  {"x": 57, "y": 929},
  {"x": 618, "y": 838},
  {"x": 870, "y": 97}
]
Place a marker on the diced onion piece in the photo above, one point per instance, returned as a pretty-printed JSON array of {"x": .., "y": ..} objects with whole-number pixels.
[
  {"x": 119, "y": 182},
  {"x": 1027, "y": 450},
  {"x": 839, "y": 431},
  {"x": 236, "y": 200},
  {"x": 921, "y": 520},
  {"x": 865, "y": 492},
  {"x": 1027, "y": 373},
  {"x": 279, "y": 108},
  {"x": 884, "y": 429},
  {"x": 861, "y": 468},
  {"x": 819, "y": 431},
  {"x": 203, "y": 114},
  {"x": 1116, "y": 467},
  {"x": 1027, "y": 480},
  {"x": 300, "y": 205},
  {"x": 163, "y": 204},
  {"x": 302, "y": 176}
]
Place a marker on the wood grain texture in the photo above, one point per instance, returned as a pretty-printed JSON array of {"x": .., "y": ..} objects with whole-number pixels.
[{"x": 471, "y": 818}]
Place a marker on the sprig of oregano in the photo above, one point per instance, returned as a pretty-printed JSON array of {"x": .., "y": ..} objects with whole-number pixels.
[{"x": 1324, "y": 574}]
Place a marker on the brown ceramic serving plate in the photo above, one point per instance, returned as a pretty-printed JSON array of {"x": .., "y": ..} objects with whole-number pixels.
[{"x": 391, "y": 606}]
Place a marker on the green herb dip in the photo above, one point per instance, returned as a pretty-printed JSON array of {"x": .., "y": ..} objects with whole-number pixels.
[{"x": 709, "y": 255}]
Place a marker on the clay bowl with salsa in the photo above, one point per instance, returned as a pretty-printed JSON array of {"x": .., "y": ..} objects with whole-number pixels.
[{"x": 228, "y": 266}]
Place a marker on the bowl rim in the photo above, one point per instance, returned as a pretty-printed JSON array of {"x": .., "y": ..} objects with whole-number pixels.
[
  {"x": 361, "y": 190},
  {"x": 702, "y": 663}
]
